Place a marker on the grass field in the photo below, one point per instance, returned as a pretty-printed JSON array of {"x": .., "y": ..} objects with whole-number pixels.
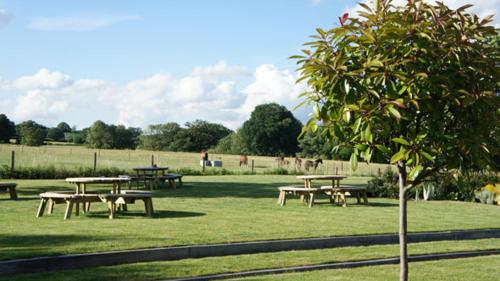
[
  {"x": 483, "y": 268},
  {"x": 77, "y": 156},
  {"x": 215, "y": 209}
]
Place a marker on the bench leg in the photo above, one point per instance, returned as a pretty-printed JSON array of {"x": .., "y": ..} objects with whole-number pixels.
[
  {"x": 148, "y": 206},
  {"x": 77, "y": 209},
  {"x": 180, "y": 182},
  {"x": 343, "y": 199},
  {"x": 111, "y": 209},
  {"x": 69, "y": 208},
  {"x": 358, "y": 197},
  {"x": 51, "y": 206},
  {"x": 41, "y": 208},
  {"x": 311, "y": 199},
  {"x": 365, "y": 198},
  {"x": 283, "y": 199},
  {"x": 13, "y": 194}
]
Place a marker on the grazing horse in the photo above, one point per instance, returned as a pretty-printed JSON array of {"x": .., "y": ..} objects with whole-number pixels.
[
  {"x": 298, "y": 163},
  {"x": 243, "y": 160},
  {"x": 313, "y": 164},
  {"x": 282, "y": 162}
]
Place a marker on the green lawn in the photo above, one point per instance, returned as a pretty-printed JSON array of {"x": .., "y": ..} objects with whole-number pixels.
[
  {"x": 214, "y": 265},
  {"x": 213, "y": 210},
  {"x": 477, "y": 269},
  {"x": 69, "y": 157}
]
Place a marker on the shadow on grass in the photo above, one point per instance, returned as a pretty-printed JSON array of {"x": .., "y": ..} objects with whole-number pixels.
[{"x": 158, "y": 214}]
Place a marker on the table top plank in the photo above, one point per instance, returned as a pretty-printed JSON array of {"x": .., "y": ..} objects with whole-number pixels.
[
  {"x": 97, "y": 180},
  {"x": 321, "y": 177},
  {"x": 150, "y": 168}
]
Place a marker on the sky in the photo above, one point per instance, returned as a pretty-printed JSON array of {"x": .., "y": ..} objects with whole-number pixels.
[{"x": 138, "y": 63}]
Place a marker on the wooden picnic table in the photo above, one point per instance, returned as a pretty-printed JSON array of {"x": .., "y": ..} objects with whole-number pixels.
[
  {"x": 309, "y": 178},
  {"x": 149, "y": 174},
  {"x": 81, "y": 183}
]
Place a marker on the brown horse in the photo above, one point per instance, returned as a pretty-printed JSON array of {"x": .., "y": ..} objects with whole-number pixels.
[
  {"x": 243, "y": 160},
  {"x": 282, "y": 162},
  {"x": 308, "y": 164},
  {"x": 298, "y": 163}
]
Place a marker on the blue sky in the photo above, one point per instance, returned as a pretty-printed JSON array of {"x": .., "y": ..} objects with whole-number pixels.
[{"x": 144, "y": 62}]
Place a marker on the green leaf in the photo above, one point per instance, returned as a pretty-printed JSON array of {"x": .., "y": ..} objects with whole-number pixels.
[
  {"x": 401, "y": 141},
  {"x": 414, "y": 172},
  {"x": 394, "y": 112},
  {"x": 346, "y": 87},
  {"x": 398, "y": 156},
  {"x": 354, "y": 161},
  {"x": 427, "y": 156},
  {"x": 382, "y": 148},
  {"x": 357, "y": 125},
  {"x": 347, "y": 115}
]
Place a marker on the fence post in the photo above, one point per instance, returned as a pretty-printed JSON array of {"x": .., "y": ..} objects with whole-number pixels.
[
  {"x": 152, "y": 160},
  {"x": 253, "y": 166},
  {"x": 95, "y": 161},
  {"x": 337, "y": 170},
  {"x": 203, "y": 169},
  {"x": 12, "y": 161}
]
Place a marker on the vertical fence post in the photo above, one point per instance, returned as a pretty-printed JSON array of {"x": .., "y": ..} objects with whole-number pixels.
[
  {"x": 342, "y": 167},
  {"x": 253, "y": 165},
  {"x": 129, "y": 155},
  {"x": 337, "y": 170},
  {"x": 203, "y": 166},
  {"x": 12, "y": 161},
  {"x": 152, "y": 160},
  {"x": 95, "y": 161}
]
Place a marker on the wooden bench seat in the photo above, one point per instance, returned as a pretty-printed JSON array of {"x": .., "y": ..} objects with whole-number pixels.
[
  {"x": 305, "y": 193},
  {"x": 11, "y": 187},
  {"x": 339, "y": 194},
  {"x": 67, "y": 197},
  {"x": 171, "y": 178},
  {"x": 127, "y": 197}
]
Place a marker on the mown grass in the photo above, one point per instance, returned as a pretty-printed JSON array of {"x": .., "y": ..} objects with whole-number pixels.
[
  {"x": 215, "y": 209},
  {"x": 477, "y": 269},
  {"x": 214, "y": 265},
  {"x": 71, "y": 157}
]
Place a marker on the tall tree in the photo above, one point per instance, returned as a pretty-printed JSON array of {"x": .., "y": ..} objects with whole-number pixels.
[
  {"x": 7, "y": 129},
  {"x": 416, "y": 84},
  {"x": 198, "y": 135},
  {"x": 31, "y": 133},
  {"x": 159, "y": 136},
  {"x": 271, "y": 130},
  {"x": 99, "y": 136}
]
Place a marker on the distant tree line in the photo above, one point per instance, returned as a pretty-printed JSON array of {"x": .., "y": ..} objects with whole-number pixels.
[{"x": 271, "y": 130}]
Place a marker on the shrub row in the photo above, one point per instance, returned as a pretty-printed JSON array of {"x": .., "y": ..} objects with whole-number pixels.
[
  {"x": 444, "y": 187},
  {"x": 51, "y": 172}
]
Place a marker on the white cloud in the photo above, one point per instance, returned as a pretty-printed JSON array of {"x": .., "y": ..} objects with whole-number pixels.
[
  {"x": 43, "y": 79},
  {"x": 5, "y": 18},
  {"x": 77, "y": 23},
  {"x": 214, "y": 93},
  {"x": 317, "y": 2},
  {"x": 481, "y": 8}
]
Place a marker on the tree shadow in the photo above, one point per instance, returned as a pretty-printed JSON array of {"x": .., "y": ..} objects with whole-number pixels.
[{"x": 34, "y": 240}]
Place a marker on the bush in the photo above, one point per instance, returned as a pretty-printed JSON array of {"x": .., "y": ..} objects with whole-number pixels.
[
  {"x": 50, "y": 172},
  {"x": 385, "y": 185}
]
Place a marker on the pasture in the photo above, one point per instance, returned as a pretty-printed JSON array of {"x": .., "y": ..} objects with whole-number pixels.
[{"x": 68, "y": 157}]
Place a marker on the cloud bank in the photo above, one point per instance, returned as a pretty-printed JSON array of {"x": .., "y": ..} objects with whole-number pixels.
[{"x": 221, "y": 93}]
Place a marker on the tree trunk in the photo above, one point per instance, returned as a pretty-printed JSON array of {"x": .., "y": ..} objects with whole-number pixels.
[{"x": 403, "y": 251}]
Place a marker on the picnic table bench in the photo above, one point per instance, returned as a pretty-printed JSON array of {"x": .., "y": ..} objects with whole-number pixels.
[
  {"x": 11, "y": 187},
  {"x": 127, "y": 197},
  {"x": 67, "y": 197},
  {"x": 339, "y": 193},
  {"x": 306, "y": 194}
]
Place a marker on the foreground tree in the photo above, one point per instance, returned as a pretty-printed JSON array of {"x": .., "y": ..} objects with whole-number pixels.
[
  {"x": 271, "y": 130},
  {"x": 416, "y": 84},
  {"x": 7, "y": 129}
]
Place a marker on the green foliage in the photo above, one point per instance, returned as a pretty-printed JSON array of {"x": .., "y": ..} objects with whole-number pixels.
[
  {"x": 413, "y": 84},
  {"x": 101, "y": 135},
  {"x": 198, "y": 135},
  {"x": 50, "y": 172},
  {"x": 271, "y": 130},
  {"x": 318, "y": 145},
  {"x": 76, "y": 137},
  {"x": 7, "y": 129},
  {"x": 159, "y": 136},
  {"x": 231, "y": 144},
  {"x": 64, "y": 127},
  {"x": 55, "y": 134},
  {"x": 31, "y": 133},
  {"x": 384, "y": 185}
]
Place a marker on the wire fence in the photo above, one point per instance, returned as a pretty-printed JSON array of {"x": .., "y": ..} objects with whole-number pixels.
[{"x": 71, "y": 157}]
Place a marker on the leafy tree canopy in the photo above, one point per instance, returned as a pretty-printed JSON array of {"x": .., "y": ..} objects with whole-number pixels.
[
  {"x": 198, "y": 135},
  {"x": 31, "y": 133},
  {"x": 159, "y": 136},
  {"x": 271, "y": 130},
  {"x": 7, "y": 129}
]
